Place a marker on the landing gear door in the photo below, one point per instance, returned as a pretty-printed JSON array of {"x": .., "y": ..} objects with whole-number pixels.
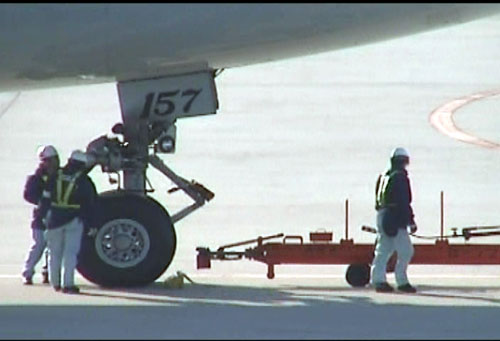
[{"x": 167, "y": 99}]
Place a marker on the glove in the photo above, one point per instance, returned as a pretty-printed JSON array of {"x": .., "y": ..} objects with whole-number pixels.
[{"x": 413, "y": 228}]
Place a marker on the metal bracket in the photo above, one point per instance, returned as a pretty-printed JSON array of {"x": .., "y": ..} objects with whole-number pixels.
[
  {"x": 205, "y": 255},
  {"x": 480, "y": 231},
  {"x": 196, "y": 191}
]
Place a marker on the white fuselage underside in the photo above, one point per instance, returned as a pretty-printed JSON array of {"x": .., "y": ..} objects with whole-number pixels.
[{"x": 48, "y": 45}]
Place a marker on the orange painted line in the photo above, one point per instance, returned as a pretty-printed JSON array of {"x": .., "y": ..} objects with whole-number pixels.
[{"x": 442, "y": 119}]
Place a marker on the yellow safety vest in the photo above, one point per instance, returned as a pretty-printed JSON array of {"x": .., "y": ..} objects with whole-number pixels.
[
  {"x": 382, "y": 189},
  {"x": 65, "y": 185}
]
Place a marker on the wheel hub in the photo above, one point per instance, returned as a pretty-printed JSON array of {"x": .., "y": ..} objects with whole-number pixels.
[{"x": 122, "y": 243}]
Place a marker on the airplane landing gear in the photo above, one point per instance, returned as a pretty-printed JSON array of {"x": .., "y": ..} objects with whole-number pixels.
[{"x": 132, "y": 240}]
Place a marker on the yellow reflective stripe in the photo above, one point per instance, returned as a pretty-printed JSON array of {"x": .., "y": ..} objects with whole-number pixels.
[
  {"x": 65, "y": 206},
  {"x": 62, "y": 200},
  {"x": 69, "y": 190},
  {"x": 59, "y": 186},
  {"x": 382, "y": 189},
  {"x": 382, "y": 194}
]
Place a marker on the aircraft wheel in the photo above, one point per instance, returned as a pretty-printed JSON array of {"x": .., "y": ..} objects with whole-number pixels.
[
  {"x": 358, "y": 275},
  {"x": 132, "y": 243}
]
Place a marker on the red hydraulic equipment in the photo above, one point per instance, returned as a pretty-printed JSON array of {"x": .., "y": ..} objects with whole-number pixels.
[{"x": 292, "y": 249}]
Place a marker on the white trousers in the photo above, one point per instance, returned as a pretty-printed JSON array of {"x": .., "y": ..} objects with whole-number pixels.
[
  {"x": 386, "y": 246},
  {"x": 35, "y": 252},
  {"x": 64, "y": 245}
]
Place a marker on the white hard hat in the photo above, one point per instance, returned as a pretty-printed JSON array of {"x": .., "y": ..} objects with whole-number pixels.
[
  {"x": 400, "y": 152},
  {"x": 78, "y": 155},
  {"x": 44, "y": 152}
]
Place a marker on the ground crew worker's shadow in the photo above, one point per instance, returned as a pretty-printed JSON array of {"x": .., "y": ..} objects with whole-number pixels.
[
  {"x": 233, "y": 295},
  {"x": 465, "y": 292},
  {"x": 236, "y": 295}
]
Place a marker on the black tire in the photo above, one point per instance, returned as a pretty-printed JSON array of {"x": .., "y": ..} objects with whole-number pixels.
[
  {"x": 358, "y": 275},
  {"x": 144, "y": 219}
]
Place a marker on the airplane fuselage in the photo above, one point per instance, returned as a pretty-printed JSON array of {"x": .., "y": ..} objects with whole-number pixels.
[{"x": 47, "y": 45}]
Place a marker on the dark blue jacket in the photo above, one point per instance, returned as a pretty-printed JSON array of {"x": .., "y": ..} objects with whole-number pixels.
[
  {"x": 84, "y": 194},
  {"x": 33, "y": 189},
  {"x": 398, "y": 213}
]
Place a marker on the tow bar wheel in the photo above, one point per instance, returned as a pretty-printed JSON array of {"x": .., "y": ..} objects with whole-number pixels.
[
  {"x": 133, "y": 241},
  {"x": 358, "y": 275}
]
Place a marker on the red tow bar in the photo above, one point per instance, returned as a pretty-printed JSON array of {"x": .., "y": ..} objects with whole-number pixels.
[{"x": 292, "y": 249}]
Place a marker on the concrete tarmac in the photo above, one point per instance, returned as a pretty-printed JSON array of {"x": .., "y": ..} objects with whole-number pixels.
[{"x": 292, "y": 140}]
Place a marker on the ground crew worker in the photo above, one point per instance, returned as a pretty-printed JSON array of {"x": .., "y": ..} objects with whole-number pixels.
[
  {"x": 35, "y": 184},
  {"x": 394, "y": 216},
  {"x": 68, "y": 204}
]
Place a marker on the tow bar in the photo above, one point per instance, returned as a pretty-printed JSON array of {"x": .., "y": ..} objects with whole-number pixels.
[{"x": 291, "y": 249}]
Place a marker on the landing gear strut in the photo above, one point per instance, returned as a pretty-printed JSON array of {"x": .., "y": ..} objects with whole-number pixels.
[{"x": 132, "y": 239}]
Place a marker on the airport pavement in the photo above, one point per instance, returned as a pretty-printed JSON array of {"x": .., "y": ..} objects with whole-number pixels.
[
  {"x": 291, "y": 141},
  {"x": 240, "y": 307}
]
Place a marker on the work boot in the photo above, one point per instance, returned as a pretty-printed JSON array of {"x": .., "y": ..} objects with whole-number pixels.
[
  {"x": 408, "y": 288},
  {"x": 27, "y": 280},
  {"x": 45, "y": 276},
  {"x": 71, "y": 290},
  {"x": 383, "y": 287}
]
